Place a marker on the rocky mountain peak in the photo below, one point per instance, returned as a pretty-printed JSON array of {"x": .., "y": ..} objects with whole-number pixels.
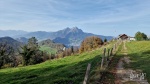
[{"x": 73, "y": 30}]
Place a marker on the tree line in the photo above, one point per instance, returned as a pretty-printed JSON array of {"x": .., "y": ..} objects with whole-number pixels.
[
  {"x": 139, "y": 36},
  {"x": 29, "y": 54}
]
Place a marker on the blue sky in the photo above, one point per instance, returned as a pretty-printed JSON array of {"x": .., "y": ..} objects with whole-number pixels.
[{"x": 103, "y": 17}]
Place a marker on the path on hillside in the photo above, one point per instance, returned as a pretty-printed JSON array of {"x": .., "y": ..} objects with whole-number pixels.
[{"x": 128, "y": 76}]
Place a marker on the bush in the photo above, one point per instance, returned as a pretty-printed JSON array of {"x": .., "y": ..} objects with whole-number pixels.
[{"x": 90, "y": 43}]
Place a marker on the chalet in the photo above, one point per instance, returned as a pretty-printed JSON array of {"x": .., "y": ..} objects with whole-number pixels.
[{"x": 123, "y": 37}]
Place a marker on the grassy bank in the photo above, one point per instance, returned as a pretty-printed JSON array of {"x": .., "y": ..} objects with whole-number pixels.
[
  {"x": 139, "y": 52},
  {"x": 109, "y": 77},
  {"x": 66, "y": 70}
]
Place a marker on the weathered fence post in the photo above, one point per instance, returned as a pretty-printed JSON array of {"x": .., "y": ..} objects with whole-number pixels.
[
  {"x": 107, "y": 58},
  {"x": 102, "y": 62},
  {"x": 87, "y": 73},
  {"x": 111, "y": 52},
  {"x": 108, "y": 55},
  {"x": 114, "y": 47}
]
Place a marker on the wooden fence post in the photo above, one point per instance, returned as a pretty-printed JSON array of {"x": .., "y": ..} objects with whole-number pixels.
[
  {"x": 102, "y": 62},
  {"x": 111, "y": 52},
  {"x": 108, "y": 55},
  {"x": 114, "y": 47},
  {"x": 87, "y": 73}
]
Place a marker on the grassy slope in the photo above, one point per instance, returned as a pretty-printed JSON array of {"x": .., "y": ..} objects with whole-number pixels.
[
  {"x": 65, "y": 70},
  {"x": 109, "y": 77},
  {"x": 48, "y": 49},
  {"x": 139, "y": 52}
]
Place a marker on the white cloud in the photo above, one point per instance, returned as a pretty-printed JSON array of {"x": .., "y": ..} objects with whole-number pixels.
[{"x": 51, "y": 15}]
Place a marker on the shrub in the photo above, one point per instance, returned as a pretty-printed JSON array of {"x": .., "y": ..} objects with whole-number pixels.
[{"x": 90, "y": 43}]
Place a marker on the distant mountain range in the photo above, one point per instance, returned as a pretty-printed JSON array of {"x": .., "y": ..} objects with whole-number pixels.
[
  {"x": 11, "y": 33},
  {"x": 22, "y": 40},
  {"x": 68, "y": 36}
]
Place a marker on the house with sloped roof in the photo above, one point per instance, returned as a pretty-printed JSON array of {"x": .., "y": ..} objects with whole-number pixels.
[{"x": 123, "y": 37}]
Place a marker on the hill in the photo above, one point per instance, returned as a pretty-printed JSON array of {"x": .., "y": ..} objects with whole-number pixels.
[
  {"x": 69, "y": 70},
  {"x": 40, "y": 35},
  {"x": 11, "y": 42},
  {"x": 50, "y": 46},
  {"x": 22, "y": 40}
]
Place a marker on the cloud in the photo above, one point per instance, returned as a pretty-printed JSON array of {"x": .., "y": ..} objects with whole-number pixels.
[{"x": 51, "y": 15}]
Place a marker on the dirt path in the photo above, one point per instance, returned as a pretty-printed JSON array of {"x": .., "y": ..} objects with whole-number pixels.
[{"x": 128, "y": 76}]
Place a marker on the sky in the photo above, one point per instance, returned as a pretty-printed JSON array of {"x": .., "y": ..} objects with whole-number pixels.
[{"x": 103, "y": 17}]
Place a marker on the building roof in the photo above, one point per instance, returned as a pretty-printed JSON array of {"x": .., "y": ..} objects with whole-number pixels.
[{"x": 123, "y": 36}]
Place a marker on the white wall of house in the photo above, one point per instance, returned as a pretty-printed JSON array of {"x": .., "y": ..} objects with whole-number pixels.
[
  {"x": 148, "y": 37},
  {"x": 132, "y": 39}
]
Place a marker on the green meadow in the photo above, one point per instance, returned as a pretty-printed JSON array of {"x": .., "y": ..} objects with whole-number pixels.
[
  {"x": 139, "y": 52},
  {"x": 66, "y": 70},
  {"x": 71, "y": 69},
  {"x": 49, "y": 50}
]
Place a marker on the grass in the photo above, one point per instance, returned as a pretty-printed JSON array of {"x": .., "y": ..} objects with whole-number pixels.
[
  {"x": 66, "y": 70},
  {"x": 109, "y": 77},
  {"x": 96, "y": 73},
  {"x": 116, "y": 57},
  {"x": 48, "y": 49},
  {"x": 139, "y": 52}
]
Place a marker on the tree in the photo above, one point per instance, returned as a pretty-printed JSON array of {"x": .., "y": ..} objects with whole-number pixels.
[
  {"x": 5, "y": 54},
  {"x": 31, "y": 53},
  {"x": 32, "y": 43},
  {"x": 26, "y": 54},
  {"x": 76, "y": 50},
  {"x": 90, "y": 43},
  {"x": 72, "y": 50},
  {"x": 105, "y": 40},
  {"x": 140, "y": 36},
  {"x": 82, "y": 47},
  {"x": 144, "y": 36}
]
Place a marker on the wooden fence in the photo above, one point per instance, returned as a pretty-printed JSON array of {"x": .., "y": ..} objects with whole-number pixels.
[{"x": 106, "y": 58}]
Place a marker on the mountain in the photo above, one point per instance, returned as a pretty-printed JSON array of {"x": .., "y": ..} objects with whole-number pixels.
[
  {"x": 22, "y": 40},
  {"x": 40, "y": 35},
  {"x": 67, "y": 31},
  {"x": 74, "y": 36},
  {"x": 11, "y": 33},
  {"x": 68, "y": 36},
  {"x": 11, "y": 42}
]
